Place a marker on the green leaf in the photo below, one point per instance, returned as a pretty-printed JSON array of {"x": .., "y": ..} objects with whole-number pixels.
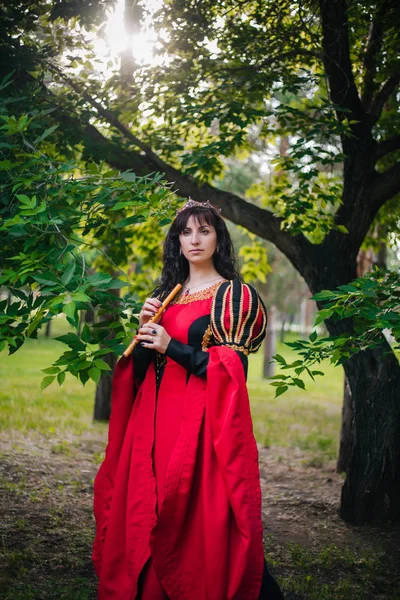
[
  {"x": 26, "y": 201},
  {"x": 324, "y": 295},
  {"x": 99, "y": 279},
  {"x": 116, "y": 284},
  {"x": 95, "y": 374},
  {"x": 299, "y": 383},
  {"x": 348, "y": 288},
  {"x": 72, "y": 340},
  {"x": 61, "y": 377},
  {"x": 130, "y": 221},
  {"x": 83, "y": 376},
  {"x": 46, "y": 133},
  {"x": 279, "y": 358},
  {"x": 51, "y": 370},
  {"x": 313, "y": 336},
  {"x": 128, "y": 176},
  {"x": 80, "y": 297},
  {"x": 281, "y": 390},
  {"x": 69, "y": 309},
  {"x": 47, "y": 278},
  {"x": 85, "y": 364},
  {"x": 102, "y": 365},
  {"x": 36, "y": 322},
  {"x": 68, "y": 273},
  {"x": 322, "y": 315},
  {"x": 299, "y": 370},
  {"x": 86, "y": 335},
  {"x": 47, "y": 381}
]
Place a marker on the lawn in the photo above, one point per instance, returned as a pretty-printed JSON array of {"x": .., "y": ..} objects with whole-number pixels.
[
  {"x": 50, "y": 450},
  {"x": 305, "y": 419}
]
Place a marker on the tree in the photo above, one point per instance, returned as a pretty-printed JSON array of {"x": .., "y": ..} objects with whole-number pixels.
[
  {"x": 51, "y": 212},
  {"x": 320, "y": 74}
]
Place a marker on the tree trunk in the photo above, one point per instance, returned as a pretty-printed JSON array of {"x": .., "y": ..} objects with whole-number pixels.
[
  {"x": 345, "y": 433},
  {"x": 371, "y": 491},
  {"x": 365, "y": 260},
  {"x": 270, "y": 343},
  {"x": 47, "y": 332},
  {"x": 102, "y": 403},
  {"x": 283, "y": 323}
]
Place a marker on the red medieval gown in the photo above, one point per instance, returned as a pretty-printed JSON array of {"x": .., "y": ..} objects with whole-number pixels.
[{"x": 177, "y": 498}]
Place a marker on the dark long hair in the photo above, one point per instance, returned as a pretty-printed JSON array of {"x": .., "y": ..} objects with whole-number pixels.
[{"x": 176, "y": 266}]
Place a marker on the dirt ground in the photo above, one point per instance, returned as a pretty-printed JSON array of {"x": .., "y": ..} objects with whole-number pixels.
[{"x": 46, "y": 526}]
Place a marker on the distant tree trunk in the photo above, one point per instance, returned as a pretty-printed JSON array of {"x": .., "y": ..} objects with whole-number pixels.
[
  {"x": 303, "y": 324},
  {"x": 86, "y": 316},
  {"x": 47, "y": 332},
  {"x": 270, "y": 343},
  {"x": 102, "y": 403},
  {"x": 283, "y": 323}
]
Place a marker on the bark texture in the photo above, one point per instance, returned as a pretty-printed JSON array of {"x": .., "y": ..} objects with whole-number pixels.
[{"x": 345, "y": 432}]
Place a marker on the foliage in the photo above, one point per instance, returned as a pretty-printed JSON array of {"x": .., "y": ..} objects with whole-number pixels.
[
  {"x": 371, "y": 303},
  {"x": 230, "y": 81},
  {"x": 51, "y": 213},
  {"x": 255, "y": 265}
]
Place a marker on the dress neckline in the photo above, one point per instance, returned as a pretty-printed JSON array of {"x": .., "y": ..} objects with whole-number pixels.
[{"x": 203, "y": 294}]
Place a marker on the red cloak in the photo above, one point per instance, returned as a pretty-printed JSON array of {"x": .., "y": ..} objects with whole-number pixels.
[{"x": 203, "y": 532}]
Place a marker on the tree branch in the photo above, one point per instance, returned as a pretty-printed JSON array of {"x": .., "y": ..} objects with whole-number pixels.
[
  {"x": 384, "y": 93},
  {"x": 374, "y": 46},
  {"x": 338, "y": 65},
  {"x": 385, "y": 186},
  {"x": 108, "y": 116},
  {"x": 260, "y": 221},
  {"x": 386, "y": 146}
]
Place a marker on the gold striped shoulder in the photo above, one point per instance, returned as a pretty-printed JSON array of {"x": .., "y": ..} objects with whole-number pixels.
[{"x": 238, "y": 317}]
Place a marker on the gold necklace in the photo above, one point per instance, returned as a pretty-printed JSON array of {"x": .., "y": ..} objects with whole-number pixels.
[{"x": 195, "y": 286}]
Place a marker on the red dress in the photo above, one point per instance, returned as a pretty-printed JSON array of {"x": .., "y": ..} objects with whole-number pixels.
[{"x": 177, "y": 498}]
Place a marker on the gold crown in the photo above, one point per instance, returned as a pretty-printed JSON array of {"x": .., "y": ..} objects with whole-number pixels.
[{"x": 191, "y": 203}]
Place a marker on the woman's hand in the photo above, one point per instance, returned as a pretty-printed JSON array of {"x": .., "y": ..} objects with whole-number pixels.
[
  {"x": 153, "y": 336},
  {"x": 149, "y": 309}
]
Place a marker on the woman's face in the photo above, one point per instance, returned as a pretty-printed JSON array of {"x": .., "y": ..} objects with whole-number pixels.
[{"x": 198, "y": 242}]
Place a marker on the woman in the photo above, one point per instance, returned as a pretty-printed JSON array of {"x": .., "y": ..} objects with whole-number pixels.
[{"x": 177, "y": 498}]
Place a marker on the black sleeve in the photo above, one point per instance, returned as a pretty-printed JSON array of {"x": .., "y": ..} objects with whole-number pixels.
[
  {"x": 142, "y": 358},
  {"x": 195, "y": 361}
]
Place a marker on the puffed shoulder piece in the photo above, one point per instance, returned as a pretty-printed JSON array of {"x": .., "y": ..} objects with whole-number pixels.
[{"x": 238, "y": 317}]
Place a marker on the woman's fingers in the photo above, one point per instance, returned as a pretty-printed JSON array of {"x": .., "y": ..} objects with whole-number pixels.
[
  {"x": 149, "y": 329},
  {"x": 153, "y": 336},
  {"x": 145, "y": 338},
  {"x": 149, "y": 309},
  {"x": 152, "y": 303}
]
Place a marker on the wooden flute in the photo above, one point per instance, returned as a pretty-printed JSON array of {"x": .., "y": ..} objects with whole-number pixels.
[{"x": 159, "y": 312}]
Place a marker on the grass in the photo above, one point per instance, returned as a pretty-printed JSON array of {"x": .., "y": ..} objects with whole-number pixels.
[
  {"x": 25, "y": 407},
  {"x": 46, "y": 550},
  {"x": 332, "y": 573},
  {"x": 305, "y": 419},
  {"x": 309, "y": 420}
]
